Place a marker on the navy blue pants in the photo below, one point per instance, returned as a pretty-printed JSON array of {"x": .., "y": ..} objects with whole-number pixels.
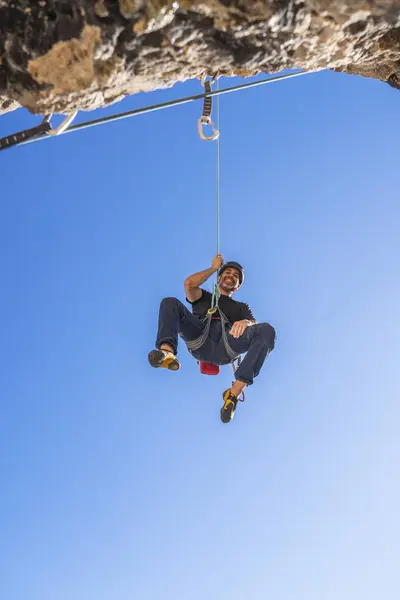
[{"x": 257, "y": 341}]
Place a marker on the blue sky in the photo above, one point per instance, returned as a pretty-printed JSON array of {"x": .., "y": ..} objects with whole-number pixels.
[{"x": 118, "y": 481}]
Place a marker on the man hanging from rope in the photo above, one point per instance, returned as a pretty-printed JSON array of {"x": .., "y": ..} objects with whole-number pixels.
[{"x": 231, "y": 330}]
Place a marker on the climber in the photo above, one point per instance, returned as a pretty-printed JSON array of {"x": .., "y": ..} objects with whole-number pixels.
[{"x": 242, "y": 334}]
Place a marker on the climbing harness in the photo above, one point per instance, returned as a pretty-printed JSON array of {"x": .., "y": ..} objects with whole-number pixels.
[
  {"x": 37, "y": 132},
  {"x": 196, "y": 344},
  {"x": 152, "y": 108},
  {"x": 208, "y": 368}
]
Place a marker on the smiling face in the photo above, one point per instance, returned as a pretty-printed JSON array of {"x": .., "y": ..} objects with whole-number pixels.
[{"x": 229, "y": 280}]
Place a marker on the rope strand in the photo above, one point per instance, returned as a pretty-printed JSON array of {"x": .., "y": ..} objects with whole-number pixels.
[
  {"x": 217, "y": 169},
  {"x": 216, "y": 291}
]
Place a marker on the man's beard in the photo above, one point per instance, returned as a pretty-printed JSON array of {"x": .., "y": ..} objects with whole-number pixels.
[{"x": 228, "y": 284}]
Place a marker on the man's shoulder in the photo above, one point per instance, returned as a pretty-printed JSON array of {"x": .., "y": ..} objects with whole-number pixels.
[
  {"x": 240, "y": 302},
  {"x": 243, "y": 305}
]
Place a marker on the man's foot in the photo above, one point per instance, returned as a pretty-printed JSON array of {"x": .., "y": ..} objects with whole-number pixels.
[
  {"x": 164, "y": 359},
  {"x": 229, "y": 407}
]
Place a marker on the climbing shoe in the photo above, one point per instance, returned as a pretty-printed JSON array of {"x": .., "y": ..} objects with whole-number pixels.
[
  {"x": 229, "y": 407},
  {"x": 163, "y": 359}
]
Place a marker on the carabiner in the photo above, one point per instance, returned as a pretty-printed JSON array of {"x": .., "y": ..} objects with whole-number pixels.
[
  {"x": 207, "y": 121},
  {"x": 205, "y": 118},
  {"x": 63, "y": 126}
]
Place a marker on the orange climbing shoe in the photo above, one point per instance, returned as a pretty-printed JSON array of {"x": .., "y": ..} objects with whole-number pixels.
[
  {"x": 229, "y": 407},
  {"x": 164, "y": 359}
]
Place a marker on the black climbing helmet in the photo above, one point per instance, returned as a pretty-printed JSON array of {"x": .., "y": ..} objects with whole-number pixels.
[{"x": 234, "y": 265}]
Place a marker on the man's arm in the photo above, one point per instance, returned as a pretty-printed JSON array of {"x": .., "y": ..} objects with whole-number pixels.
[{"x": 193, "y": 283}]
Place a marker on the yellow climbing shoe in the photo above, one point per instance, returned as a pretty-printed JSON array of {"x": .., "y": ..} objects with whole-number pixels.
[
  {"x": 164, "y": 360},
  {"x": 229, "y": 407}
]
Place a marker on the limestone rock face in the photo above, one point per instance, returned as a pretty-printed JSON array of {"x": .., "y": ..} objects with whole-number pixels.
[{"x": 61, "y": 55}]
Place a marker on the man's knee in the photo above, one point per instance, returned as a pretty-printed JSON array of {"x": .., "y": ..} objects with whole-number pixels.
[
  {"x": 170, "y": 302},
  {"x": 267, "y": 333}
]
